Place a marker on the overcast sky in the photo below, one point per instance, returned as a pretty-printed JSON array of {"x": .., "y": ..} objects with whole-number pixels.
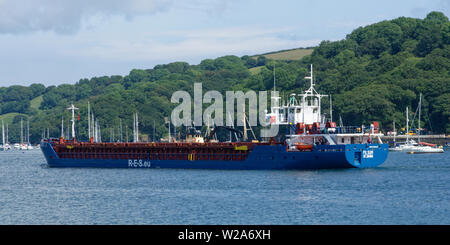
[{"x": 61, "y": 41}]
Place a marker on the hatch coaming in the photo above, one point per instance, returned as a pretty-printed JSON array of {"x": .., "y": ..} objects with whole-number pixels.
[{"x": 237, "y": 151}]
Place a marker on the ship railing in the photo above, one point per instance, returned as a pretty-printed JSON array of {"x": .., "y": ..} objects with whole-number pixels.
[
  {"x": 348, "y": 130},
  {"x": 339, "y": 130},
  {"x": 330, "y": 148}
]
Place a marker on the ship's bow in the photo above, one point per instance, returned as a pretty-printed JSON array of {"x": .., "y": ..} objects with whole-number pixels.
[{"x": 49, "y": 153}]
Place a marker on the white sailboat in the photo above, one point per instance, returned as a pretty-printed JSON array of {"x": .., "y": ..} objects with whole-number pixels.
[
  {"x": 29, "y": 146},
  {"x": 411, "y": 146},
  {"x": 6, "y": 145}
]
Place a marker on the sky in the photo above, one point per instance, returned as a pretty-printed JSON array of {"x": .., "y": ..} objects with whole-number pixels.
[{"x": 62, "y": 41}]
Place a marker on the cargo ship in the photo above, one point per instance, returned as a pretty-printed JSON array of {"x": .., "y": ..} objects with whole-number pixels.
[{"x": 312, "y": 143}]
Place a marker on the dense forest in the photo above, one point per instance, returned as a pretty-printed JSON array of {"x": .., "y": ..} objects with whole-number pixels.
[{"x": 373, "y": 75}]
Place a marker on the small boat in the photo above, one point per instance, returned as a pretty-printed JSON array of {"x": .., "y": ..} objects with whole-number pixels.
[
  {"x": 303, "y": 146},
  {"x": 411, "y": 146},
  {"x": 6, "y": 147},
  {"x": 23, "y": 147}
]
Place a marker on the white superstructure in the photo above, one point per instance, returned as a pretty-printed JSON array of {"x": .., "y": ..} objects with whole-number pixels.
[
  {"x": 304, "y": 108},
  {"x": 303, "y": 114}
]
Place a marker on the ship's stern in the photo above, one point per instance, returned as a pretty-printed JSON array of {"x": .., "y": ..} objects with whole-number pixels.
[{"x": 366, "y": 155}]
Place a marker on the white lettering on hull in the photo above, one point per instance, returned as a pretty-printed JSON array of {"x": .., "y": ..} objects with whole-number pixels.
[
  {"x": 138, "y": 163},
  {"x": 367, "y": 154}
]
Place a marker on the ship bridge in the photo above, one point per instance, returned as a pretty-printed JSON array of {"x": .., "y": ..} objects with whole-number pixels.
[{"x": 303, "y": 108}]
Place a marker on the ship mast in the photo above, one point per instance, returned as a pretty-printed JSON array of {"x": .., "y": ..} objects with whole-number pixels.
[
  {"x": 73, "y": 108},
  {"x": 311, "y": 92},
  {"x": 62, "y": 127},
  {"x": 135, "y": 128},
  {"x": 274, "y": 89},
  {"x": 89, "y": 120},
  {"x": 331, "y": 109}
]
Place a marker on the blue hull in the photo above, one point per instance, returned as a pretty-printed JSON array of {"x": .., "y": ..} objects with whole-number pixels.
[{"x": 262, "y": 157}]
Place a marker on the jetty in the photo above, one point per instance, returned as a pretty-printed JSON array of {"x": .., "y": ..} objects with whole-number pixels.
[{"x": 439, "y": 139}]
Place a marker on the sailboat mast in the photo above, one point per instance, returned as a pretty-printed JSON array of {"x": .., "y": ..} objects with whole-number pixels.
[
  {"x": 28, "y": 130},
  {"x": 21, "y": 130},
  {"x": 169, "y": 132},
  {"x": 245, "y": 127},
  {"x": 420, "y": 107},
  {"x": 3, "y": 135},
  {"x": 407, "y": 127},
  {"x": 120, "y": 122},
  {"x": 93, "y": 127},
  {"x": 394, "y": 130}
]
